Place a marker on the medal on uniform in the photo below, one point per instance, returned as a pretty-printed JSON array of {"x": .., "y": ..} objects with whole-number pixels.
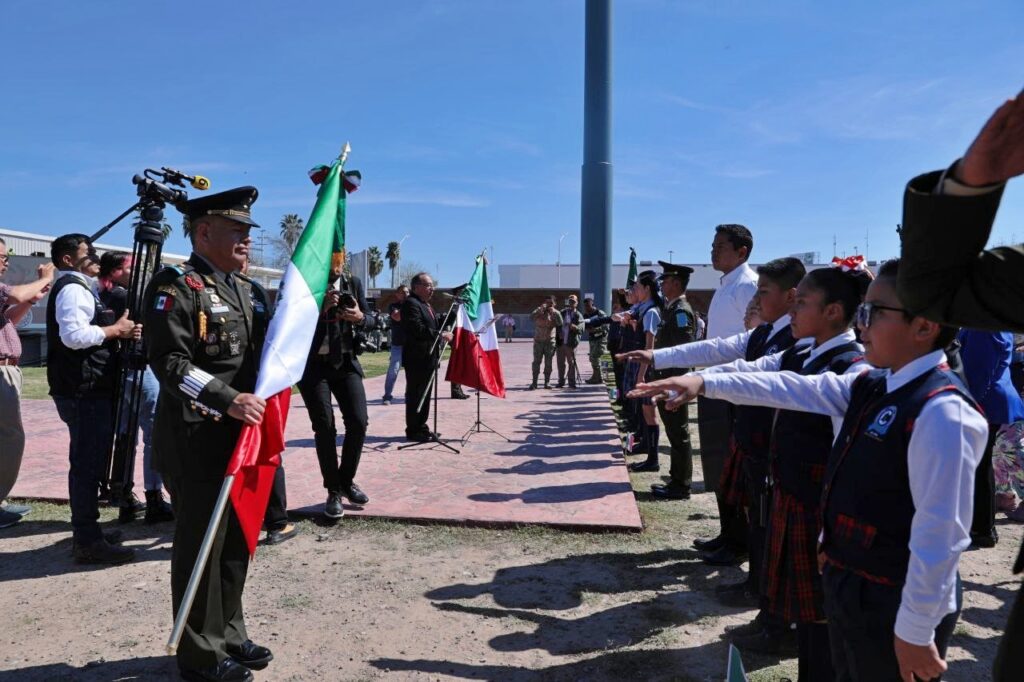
[
  {"x": 202, "y": 324},
  {"x": 234, "y": 343},
  {"x": 213, "y": 350},
  {"x": 214, "y": 298}
]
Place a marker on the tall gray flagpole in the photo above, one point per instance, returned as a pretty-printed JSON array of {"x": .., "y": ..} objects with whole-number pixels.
[{"x": 596, "y": 198}]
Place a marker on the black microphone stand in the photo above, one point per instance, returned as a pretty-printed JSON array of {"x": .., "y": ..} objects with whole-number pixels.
[
  {"x": 479, "y": 426},
  {"x": 438, "y": 346}
]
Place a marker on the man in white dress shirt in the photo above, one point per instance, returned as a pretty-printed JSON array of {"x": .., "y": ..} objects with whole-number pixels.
[
  {"x": 730, "y": 252},
  {"x": 80, "y": 368}
]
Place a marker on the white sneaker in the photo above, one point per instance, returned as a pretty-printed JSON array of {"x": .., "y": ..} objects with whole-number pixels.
[{"x": 385, "y": 402}]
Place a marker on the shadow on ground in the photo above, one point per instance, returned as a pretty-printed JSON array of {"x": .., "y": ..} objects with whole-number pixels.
[
  {"x": 55, "y": 558},
  {"x": 671, "y": 589},
  {"x": 150, "y": 668}
]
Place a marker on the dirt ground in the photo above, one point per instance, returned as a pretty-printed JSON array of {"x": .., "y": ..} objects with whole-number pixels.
[{"x": 373, "y": 600}]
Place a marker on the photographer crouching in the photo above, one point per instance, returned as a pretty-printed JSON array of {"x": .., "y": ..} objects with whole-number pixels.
[{"x": 334, "y": 369}]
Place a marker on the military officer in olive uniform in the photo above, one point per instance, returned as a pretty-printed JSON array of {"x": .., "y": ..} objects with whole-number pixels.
[
  {"x": 598, "y": 336},
  {"x": 678, "y": 326},
  {"x": 208, "y": 327}
]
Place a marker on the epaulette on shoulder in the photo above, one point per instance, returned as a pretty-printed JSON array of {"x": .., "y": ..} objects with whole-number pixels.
[{"x": 171, "y": 273}]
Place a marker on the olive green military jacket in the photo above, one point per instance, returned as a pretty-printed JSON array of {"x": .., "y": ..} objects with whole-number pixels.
[
  {"x": 945, "y": 272},
  {"x": 678, "y": 326},
  {"x": 204, "y": 341}
]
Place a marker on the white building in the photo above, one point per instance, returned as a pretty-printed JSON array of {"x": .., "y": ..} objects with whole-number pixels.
[{"x": 38, "y": 245}]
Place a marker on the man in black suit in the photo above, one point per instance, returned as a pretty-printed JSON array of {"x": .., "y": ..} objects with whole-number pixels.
[
  {"x": 420, "y": 326},
  {"x": 334, "y": 369}
]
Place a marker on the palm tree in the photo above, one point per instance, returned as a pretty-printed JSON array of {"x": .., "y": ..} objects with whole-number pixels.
[
  {"x": 291, "y": 230},
  {"x": 393, "y": 257},
  {"x": 375, "y": 264}
]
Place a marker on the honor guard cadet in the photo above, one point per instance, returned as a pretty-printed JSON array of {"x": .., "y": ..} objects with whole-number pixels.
[
  {"x": 208, "y": 327},
  {"x": 678, "y": 326}
]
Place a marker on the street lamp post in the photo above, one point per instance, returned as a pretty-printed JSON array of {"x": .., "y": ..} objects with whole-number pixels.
[{"x": 558, "y": 263}]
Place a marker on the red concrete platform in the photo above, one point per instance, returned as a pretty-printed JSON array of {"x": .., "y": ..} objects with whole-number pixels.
[{"x": 563, "y": 466}]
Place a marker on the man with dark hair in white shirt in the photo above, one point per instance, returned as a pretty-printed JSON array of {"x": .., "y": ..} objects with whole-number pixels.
[
  {"x": 82, "y": 339},
  {"x": 730, "y": 252}
]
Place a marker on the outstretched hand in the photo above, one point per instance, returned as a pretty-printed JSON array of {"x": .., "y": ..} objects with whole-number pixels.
[
  {"x": 997, "y": 153},
  {"x": 645, "y": 356},
  {"x": 675, "y": 391}
]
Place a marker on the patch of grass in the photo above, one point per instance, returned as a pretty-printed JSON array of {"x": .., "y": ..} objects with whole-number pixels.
[
  {"x": 295, "y": 601},
  {"x": 34, "y": 384}
]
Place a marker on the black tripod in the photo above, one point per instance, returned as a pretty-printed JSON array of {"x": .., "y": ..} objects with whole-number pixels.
[
  {"x": 438, "y": 347},
  {"x": 479, "y": 426},
  {"x": 119, "y": 469}
]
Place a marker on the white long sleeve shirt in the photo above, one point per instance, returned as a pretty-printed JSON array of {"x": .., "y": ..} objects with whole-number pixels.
[
  {"x": 773, "y": 363},
  {"x": 710, "y": 352},
  {"x": 945, "y": 447},
  {"x": 729, "y": 303},
  {"x": 74, "y": 310}
]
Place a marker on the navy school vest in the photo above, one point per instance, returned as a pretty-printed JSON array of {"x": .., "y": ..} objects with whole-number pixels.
[
  {"x": 866, "y": 505},
  {"x": 753, "y": 425},
  {"x": 801, "y": 441}
]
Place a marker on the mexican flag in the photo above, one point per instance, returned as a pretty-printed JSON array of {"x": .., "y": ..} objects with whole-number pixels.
[
  {"x": 475, "y": 361},
  {"x": 258, "y": 452}
]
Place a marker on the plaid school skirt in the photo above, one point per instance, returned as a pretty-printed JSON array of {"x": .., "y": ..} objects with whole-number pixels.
[
  {"x": 789, "y": 575},
  {"x": 731, "y": 483}
]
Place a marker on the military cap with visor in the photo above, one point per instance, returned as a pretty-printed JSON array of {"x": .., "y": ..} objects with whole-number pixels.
[
  {"x": 233, "y": 204},
  {"x": 683, "y": 272}
]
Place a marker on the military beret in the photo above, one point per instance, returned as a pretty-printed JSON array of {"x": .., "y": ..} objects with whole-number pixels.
[
  {"x": 672, "y": 270},
  {"x": 234, "y": 204}
]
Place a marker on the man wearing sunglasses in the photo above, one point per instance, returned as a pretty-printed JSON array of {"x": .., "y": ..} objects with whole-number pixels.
[{"x": 82, "y": 336}]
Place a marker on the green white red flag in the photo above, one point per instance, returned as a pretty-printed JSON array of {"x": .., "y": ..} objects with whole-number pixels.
[
  {"x": 475, "y": 360},
  {"x": 258, "y": 451}
]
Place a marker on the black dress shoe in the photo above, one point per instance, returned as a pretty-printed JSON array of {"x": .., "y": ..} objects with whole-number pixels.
[
  {"x": 646, "y": 465},
  {"x": 459, "y": 395},
  {"x": 724, "y": 556},
  {"x": 984, "y": 541},
  {"x": 252, "y": 656},
  {"x": 279, "y": 535},
  {"x": 670, "y": 491},
  {"x": 102, "y": 552},
  {"x": 228, "y": 670},
  {"x": 532, "y": 387},
  {"x": 354, "y": 494},
  {"x": 421, "y": 437},
  {"x": 332, "y": 508},
  {"x": 157, "y": 509},
  {"x": 709, "y": 545}
]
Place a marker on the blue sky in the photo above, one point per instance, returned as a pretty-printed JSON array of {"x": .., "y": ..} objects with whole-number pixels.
[{"x": 802, "y": 120}]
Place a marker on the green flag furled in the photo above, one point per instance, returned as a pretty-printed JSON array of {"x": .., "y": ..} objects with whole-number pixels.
[{"x": 631, "y": 275}]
